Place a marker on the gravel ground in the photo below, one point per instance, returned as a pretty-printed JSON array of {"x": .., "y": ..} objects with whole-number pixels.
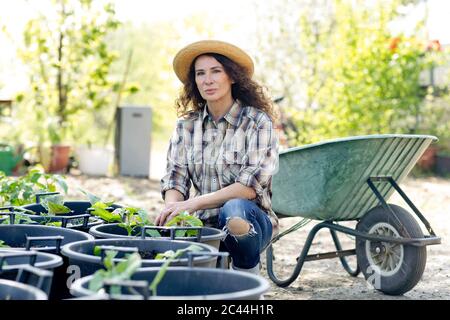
[{"x": 324, "y": 279}]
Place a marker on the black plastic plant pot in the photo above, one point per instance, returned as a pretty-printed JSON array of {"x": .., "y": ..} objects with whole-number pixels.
[
  {"x": 187, "y": 283},
  {"x": 12, "y": 290},
  {"x": 11, "y": 259},
  {"x": 210, "y": 236},
  {"x": 82, "y": 253},
  {"x": 15, "y": 262},
  {"x": 46, "y": 239},
  {"x": 40, "y": 238},
  {"x": 79, "y": 218}
]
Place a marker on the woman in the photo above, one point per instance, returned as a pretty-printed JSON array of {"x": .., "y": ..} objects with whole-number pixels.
[{"x": 224, "y": 145}]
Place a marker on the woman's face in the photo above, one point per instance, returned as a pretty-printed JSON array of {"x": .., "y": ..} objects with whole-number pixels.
[{"x": 212, "y": 81}]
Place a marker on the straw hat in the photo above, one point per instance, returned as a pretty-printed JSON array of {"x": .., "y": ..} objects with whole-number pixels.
[{"x": 184, "y": 58}]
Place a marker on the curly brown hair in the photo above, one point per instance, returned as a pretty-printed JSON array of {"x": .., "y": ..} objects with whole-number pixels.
[{"x": 246, "y": 90}]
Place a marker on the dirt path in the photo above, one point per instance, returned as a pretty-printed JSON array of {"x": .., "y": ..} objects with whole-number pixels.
[{"x": 325, "y": 279}]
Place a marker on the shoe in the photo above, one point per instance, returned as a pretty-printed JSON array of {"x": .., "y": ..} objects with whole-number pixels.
[{"x": 255, "y": 270}]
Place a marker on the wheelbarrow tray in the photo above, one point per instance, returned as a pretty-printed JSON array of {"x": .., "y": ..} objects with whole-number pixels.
[{"x": 328, "y": 180}]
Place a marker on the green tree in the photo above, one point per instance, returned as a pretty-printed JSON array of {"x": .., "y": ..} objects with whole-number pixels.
[
  {"x": 345, "y": 72},
  {"x": 370, "y": 79},
  {"x": 69, "y": 63},
  {"x": 154, "y": 45}
]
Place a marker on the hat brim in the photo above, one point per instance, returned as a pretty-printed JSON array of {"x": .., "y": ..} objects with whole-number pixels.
[{"x": 184, "y": 58}]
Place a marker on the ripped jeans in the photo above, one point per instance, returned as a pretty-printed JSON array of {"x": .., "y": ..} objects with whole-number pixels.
[{"x": 245, "y": 249}]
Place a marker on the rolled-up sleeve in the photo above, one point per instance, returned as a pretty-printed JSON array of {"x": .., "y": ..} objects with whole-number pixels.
[
  {"x": 177, "y": 176},
  {"x": 260, "y": 162}
]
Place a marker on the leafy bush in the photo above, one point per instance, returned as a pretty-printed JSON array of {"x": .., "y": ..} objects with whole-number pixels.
[
  {"x": 351, "y": 73},
  {"x": 21, "y": 191}
]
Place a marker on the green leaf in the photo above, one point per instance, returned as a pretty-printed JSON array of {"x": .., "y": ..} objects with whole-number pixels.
[
  {"x": 120, "y": 271},
  {"x": 101, "y": 212},
  {"x": 186, "y": 220},
  {"x": 97, "y": 251},
  {"x": 174, "y": 221},
  {"x": 35, "y": 177},
  {"x": 56, "y": 198},
  {"x": 144, "y": 217},
  {"x": 55, "y": 208},
  {"x": 3, "y": 244},
  {"x": 162, "y": 271},
  {"x": 61, "y": 182},
  {"x": 54, "y": 224},
  {"x": 193, "y": 221},
  {"x": 153, "y": 233},
  {"x": 93, "y": 199},
  {"x": 108, "y": 260},
  {"x": 165, "y": 255},
  {"x": 127, "y": 267},
  {"x": 96, "y": 282},
  {"x": 180, "y": 233}
]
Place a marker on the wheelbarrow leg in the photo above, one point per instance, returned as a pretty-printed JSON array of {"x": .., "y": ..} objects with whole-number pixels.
[
  {"x": 337, "y": 243},
  {"x": 300, "y": 260}
]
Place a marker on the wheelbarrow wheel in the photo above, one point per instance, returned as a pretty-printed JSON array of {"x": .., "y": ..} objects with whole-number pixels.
[{"x": 391, "y": 268}]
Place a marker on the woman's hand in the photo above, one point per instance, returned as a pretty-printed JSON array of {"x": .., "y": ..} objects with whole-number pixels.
[{"x": 172, "y": 209}]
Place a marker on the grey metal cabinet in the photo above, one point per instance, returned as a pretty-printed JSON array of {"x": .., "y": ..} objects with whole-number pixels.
[{"x": 133, "y": 140}]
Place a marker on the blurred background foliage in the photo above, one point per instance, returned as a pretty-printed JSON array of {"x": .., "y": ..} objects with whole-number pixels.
[
  {"x": 336, "y": 68},
  {"x": 343, "y": 72}
]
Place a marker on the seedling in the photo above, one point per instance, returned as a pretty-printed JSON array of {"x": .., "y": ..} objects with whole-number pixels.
[
  {"x": 100, "y": 210},
  {"x": 184, "y": 219},
  {"x": 125, "y": 269},
  {"x": 170, "y": 257},
  {"x": 132, "y": 218},
  {"x": 118, "y": 272},
  {"x": 129, "y": 218},
  {"x": 21, "y": 191},
  {"x": 19, "y": 218},
  {"x": 54, "y": 204}
]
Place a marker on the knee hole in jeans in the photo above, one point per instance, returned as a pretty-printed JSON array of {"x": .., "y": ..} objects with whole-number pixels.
[{"x": 238, "y": 226}]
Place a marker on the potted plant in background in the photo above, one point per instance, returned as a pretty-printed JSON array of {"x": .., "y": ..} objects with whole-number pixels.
[
  {"x": 59, "y": 151},
  {"x": 94, "y": 160}
]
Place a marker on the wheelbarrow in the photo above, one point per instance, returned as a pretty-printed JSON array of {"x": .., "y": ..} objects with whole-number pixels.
[
  {"x": 351, "y": 179},
  {"x": 9, "y": 158}
]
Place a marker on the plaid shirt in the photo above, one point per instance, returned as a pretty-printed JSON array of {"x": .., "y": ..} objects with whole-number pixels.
[{"x": 241, "y": 147}]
